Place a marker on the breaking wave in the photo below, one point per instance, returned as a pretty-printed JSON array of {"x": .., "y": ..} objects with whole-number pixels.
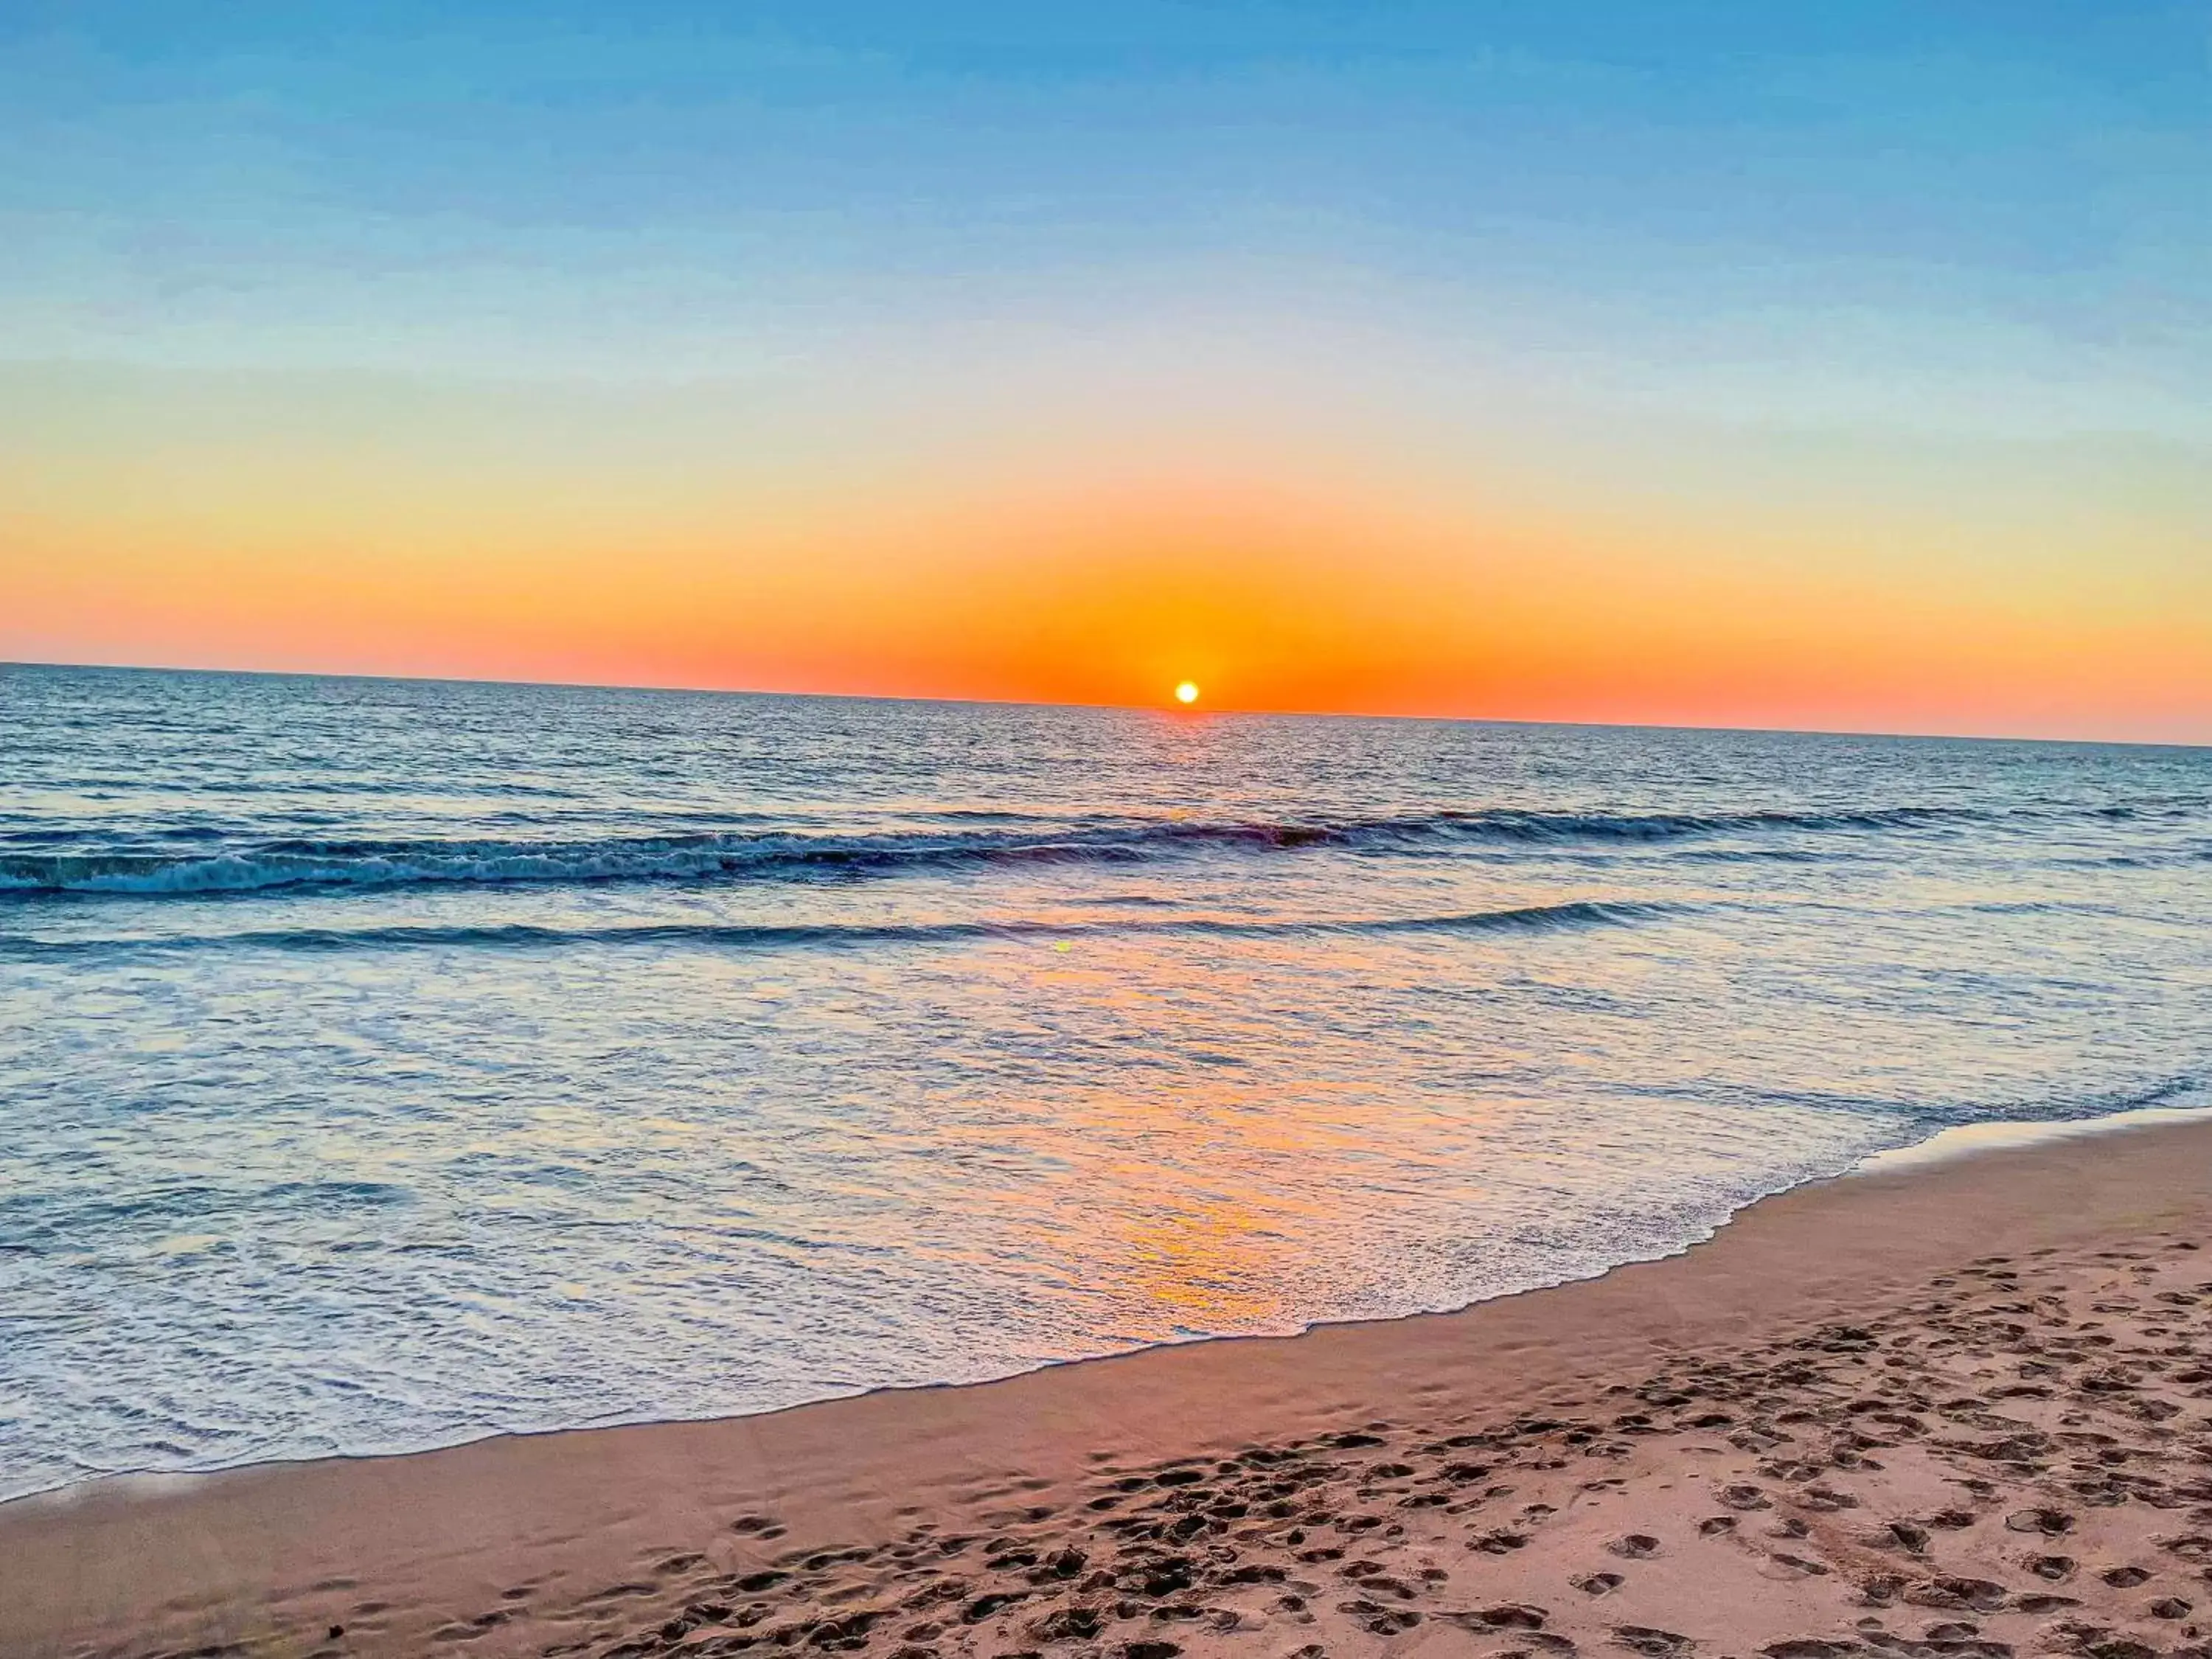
[
  {"x": 1573, "y": 914},
  {"x": 692, "y": 857}
]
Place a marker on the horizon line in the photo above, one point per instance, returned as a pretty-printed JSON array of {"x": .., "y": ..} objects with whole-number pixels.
[{"x": 1162, "y": 708}]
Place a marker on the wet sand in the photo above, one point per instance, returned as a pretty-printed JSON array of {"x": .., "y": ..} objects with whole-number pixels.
[{"x": 1958, "y": 1409}]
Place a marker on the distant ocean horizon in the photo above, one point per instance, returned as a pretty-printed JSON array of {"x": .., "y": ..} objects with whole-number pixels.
[
  {"x": 386, "y": 1063},
  {"x": 1164, "y": 704}
]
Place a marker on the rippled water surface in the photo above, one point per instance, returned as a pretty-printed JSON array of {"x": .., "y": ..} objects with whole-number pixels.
[{"x": 386, "y": 1064}]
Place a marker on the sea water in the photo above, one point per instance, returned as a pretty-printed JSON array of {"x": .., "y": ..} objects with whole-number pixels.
[{"x": 386, "y": 1064}]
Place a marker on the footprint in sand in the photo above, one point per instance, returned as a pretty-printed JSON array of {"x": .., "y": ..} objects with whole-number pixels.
[{"x": 1657, "y": 1643}]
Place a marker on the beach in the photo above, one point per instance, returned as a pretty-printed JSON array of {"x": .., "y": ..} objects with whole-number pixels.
[
  {"x": 1953, "y": 1408},
  {"x": 505, "y": 1059}
]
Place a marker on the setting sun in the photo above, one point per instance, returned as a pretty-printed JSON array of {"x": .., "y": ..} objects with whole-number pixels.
[{"x": 1186, "y": 692}]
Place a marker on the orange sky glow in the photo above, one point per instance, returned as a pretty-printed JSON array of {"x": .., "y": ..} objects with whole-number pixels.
[{"x": 1318, "y": 598}]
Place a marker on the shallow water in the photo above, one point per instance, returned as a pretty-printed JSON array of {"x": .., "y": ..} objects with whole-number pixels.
[{"x": 385, "y": 1064}]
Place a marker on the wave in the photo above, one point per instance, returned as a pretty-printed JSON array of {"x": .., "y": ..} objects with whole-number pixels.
[
  {"x": 1928, "y": 1117},
  {"x": 2177, "y": 1089},
  {"x": 1537, "y": 918},
  {"x": 714, "y": 857}
]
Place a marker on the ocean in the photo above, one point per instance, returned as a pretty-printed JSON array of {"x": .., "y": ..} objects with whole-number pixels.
[{"x": 386, "y": 1064}]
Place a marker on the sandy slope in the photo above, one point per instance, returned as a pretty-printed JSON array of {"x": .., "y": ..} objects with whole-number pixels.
[{"x": 1960, "y": 1410}]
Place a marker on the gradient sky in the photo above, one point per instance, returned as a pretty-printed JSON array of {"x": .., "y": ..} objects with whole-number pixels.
[{"x": 1839, "y": 365}]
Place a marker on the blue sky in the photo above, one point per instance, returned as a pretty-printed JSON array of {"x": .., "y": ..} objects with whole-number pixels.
[{"x": 715, "y": 185}]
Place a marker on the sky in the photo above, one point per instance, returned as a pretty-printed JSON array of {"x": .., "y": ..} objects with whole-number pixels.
[{"x": 1844, "y": 366}]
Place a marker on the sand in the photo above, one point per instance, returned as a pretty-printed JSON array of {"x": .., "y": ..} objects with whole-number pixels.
[{"x": 1960, "y": 1409}]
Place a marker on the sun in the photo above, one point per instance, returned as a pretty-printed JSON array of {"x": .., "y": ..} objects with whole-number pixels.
[{"x": 1186, "y": 692}]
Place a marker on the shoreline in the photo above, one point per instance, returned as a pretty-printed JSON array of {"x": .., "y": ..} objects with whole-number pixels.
[
  {"x": 1945, "y": 1145},
  {"x": 523, "y": 1531},
  {"x": 1963, "y": 1140}
]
